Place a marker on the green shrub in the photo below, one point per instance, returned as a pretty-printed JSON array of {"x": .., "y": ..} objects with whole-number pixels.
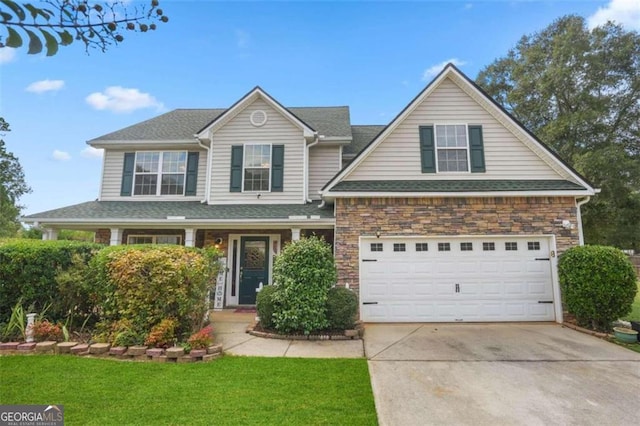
[
  {"x": 147, "y": 284},
  {"x": 598, "y": 284},
  {"x": 342, "y": 308},
  {"x": 28, "y": 270},
  {"x": 78, "y": 295},
  {"x": 303, "y": 273},
  {"x": 162, "y": 335},
  {"x": 264, "y": 306}
]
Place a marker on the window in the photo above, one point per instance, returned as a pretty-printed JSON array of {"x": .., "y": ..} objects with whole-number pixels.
[
  {"x": 154, "y": 239},
  {"x": 533, "y": 245},
  {"x": 452, "y": 147},
  {"x": 399, "y": 247},
  {"x": 488, "y": 246},
  {"x": 511, "y": 246},
  {"x": 422, "y": 247},
  {"x": 257, "y": 167},
  {"x": 444, "y": 247},
  {"x": 168, "y": 168},
  {"x": 466, "y": 246},
  {"x": 376, "y": 246}
]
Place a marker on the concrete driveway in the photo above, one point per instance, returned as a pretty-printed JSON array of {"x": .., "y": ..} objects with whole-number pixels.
[{"x": 500, "y": 374}]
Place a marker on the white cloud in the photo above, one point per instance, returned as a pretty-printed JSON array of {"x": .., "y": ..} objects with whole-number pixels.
[
  {"x": 242, "y": 39},
  {"x": 432, "y": 71},
  {"x": 122, "y": 99},
  {"x": 45, "y": 86},
  {"x": 623, "y": 12},
  {"x": 7, "y": 54},
  {"x": 60, "y": 155},
  {"x": 91, "y": 152}
]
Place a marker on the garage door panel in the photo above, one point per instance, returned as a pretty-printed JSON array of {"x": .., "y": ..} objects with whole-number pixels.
[{"x": 493, "y": 283}]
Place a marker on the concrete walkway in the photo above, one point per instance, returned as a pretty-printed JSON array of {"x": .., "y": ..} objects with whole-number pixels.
[{"x": 229, "y": 328}]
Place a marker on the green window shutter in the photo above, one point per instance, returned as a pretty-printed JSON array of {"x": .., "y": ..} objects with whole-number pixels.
[
  {"x": 476, "y": 149},
  {"x": 127, "y": 174},
  {"x": 277, "y": 168},
  {"x": 191, "y": 184},
  {"x": 236, "y": 169},
  {"x": 427, "y": 149}
]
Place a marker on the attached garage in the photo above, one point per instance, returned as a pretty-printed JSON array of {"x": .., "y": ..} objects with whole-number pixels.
[{"x": 456, "y": 279}]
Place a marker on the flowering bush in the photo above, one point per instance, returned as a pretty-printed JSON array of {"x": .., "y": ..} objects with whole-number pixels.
[
  {"x": 44, "y": 330},
  {"x": 162, "y": 334},
  {"x": 201, "y": 339}
]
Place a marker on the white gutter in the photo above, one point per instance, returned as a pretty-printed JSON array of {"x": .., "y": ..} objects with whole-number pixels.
[
  {"x": 579, "y": 204},
  {"x": 305, "y": 193},
  {"x": 207, "y": 183}
]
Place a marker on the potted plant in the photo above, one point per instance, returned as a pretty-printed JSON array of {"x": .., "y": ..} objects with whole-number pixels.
[{"x": 625, "y": 335}]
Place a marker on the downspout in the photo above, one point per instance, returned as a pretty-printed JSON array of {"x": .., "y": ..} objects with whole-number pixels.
[
  {"x": 207, "y": 183},
  {"x": 316, "y": 141},
  {"x": 580, "y": 203}
]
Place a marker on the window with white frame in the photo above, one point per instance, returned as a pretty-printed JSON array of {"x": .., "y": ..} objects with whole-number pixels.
[
  {"x": 160, "y": 173},
  {"x": 452, "y": 147},
  {"x": 257, "y": 167},
  {"x": 154, "y": 239}
]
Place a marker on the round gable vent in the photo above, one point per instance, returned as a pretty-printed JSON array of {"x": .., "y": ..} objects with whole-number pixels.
[{"x": 258, "y": 118}]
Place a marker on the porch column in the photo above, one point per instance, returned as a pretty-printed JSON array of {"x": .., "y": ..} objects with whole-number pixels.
[
  {"x": 49, "y": 234},
  {"x": 116, "y": 236},
  {"x": 189, "y": 237},
  {"x": 295, "y": 234}
]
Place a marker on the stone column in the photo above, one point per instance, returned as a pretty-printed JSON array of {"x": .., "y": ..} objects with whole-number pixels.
[{"x": 295, "y": 234}]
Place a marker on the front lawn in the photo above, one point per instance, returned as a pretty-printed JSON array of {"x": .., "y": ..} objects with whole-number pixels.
[
  {"x": 635, "y": 308},
  {"x": 231, "y": 390}
]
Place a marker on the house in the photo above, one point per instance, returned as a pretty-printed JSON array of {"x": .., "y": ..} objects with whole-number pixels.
[{"x": 451, "y": 212}]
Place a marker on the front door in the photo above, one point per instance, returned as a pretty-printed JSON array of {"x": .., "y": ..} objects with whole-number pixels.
[{"x": 254, "y": 267}]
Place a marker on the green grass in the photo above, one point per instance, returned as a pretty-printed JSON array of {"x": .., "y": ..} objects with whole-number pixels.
[
  {"x": 231, "y": 390},
  {"x": 635, "y": 308}
]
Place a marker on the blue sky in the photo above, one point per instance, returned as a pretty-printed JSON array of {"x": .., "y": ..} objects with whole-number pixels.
[{"x": 373, "y": 56}]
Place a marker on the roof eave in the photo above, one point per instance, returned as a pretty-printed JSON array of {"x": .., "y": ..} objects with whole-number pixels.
[
  {"x": 102, "y": 144},
  {"x": 453, "y": 194}
]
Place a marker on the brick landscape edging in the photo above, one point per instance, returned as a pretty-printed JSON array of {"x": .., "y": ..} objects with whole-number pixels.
[
  {"x": 355, "y": 334},
  {"x": 105, "y": 350}
]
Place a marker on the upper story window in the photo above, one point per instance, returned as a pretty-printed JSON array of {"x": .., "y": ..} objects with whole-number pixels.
[
  {"x": 160, "y": 173},
  {"x": 452, "y": 147},
  {"x": 257, "y": 167},
  {"x": 446, "y": 148}
]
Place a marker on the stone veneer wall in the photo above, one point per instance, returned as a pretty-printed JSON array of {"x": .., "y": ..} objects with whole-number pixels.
[{"x": 357, "y": 217}]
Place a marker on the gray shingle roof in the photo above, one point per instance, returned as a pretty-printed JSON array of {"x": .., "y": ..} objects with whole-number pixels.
[
  {"x": 179, "y": 124},
  {"x": 328, "y": 121},
  {"x": 154, "y": 210},
  {"x": 362, "y": 135},
  {"x": 182, "y": 124},
  {"x": 455, "y": 185}
]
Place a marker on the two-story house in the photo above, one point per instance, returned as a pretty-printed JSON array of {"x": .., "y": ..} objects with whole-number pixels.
[{"x": 451, "y": 212}]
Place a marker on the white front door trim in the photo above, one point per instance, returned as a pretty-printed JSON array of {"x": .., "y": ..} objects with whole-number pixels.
[{"x": 274, "y": 249}]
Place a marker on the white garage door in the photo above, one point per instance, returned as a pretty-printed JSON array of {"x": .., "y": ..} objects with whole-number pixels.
[{"x": 451, "y": 279}]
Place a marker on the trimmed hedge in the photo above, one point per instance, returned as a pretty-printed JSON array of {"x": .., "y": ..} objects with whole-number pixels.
[
  {"x": 303, "y": 273},
  {"x": 28, "y": 270},
  {"x": 148, "y": 284},
  {"x": 342, "y": 308},
  {"x": 598, "y": 284},
  {"x": 265, "y": 307}
]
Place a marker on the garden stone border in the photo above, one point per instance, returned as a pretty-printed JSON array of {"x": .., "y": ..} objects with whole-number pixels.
[
  {"x": 354, "y": 334},
  {"x": 105, "y": 350}
]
